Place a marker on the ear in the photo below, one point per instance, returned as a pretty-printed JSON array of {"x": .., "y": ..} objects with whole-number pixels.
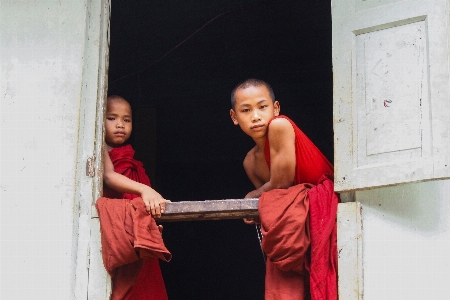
[
  {"x": 233, "y": 117},
  {"x": 276, "y": 108}
]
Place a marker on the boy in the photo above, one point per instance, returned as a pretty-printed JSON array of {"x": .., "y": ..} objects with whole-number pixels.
[
  {"x": 118, "y": 127},
  {"x": 125, "y": 178},
  {"x": 284, "y": 165},
  {"x": 271, "y": 163}
]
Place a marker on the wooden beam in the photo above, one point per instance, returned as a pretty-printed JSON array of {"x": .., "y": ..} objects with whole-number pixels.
[{"x": 210, "y": 210}]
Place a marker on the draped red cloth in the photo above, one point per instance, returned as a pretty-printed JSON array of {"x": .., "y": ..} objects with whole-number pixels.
[
  {"x": 311, "y": 164},
  {"x": 125, "y": 164},
  {"x": 141, "y": 279},
  {"x": 299, "y": 228},
  {"x": 128, "y": 233},
  {"x": 323, "y": 265},
  {"x": 284, "y": 225}
]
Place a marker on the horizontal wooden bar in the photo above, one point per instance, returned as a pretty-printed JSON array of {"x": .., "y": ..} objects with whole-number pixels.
[{"x": 210, "y": 210}]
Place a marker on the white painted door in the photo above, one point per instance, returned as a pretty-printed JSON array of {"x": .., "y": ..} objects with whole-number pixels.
[{"x": 391, "y": 92}]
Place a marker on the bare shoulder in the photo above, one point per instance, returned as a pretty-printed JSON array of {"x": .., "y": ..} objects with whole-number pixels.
[
  {"x": 280, "y": 131},
  {"x": 280, "y": 125}
]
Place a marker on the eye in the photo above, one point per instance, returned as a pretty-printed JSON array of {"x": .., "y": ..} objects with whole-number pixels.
[
  {"x": 128, "y": 120},
  {"x": 263, "y": 106},
  {"x": 245, "y": 110},
  {"x": 110, "y": 118}
]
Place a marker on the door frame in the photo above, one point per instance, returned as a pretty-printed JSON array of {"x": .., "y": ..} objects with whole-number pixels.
[
  {"x": 91, "y": 279},
  {"x": 88, "y": 187}
]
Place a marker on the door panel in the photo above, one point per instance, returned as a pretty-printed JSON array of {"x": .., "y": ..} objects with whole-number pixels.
[{"x": 391, "y": 91}]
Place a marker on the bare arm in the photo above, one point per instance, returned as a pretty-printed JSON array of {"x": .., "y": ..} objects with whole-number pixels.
[
  {"x": 154, "y": 202},
  {"x": 282, "y": 158}
]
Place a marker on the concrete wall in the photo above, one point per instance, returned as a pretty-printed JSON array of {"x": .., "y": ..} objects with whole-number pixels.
[
  {"x": 406, "y": 241},
  {"x": 42, "y": 49}
]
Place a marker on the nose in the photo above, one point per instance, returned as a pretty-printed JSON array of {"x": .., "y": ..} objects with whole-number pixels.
[
  {"x": 120, "y": 124},
  {"x": 255, "y": 116}
]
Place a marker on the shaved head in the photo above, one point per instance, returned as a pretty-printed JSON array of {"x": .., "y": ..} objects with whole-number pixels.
[
  {"x": 115, "y": 98},
  {"x": 252, "y": 82}
]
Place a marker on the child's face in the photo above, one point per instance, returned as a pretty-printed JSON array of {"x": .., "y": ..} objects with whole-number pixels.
[
  {"x": 253, "y": 110},
  {"x": 118, "y": 123}
]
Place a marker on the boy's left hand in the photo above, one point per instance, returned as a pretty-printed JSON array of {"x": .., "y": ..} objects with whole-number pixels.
[{"x": 155, "y": 204}]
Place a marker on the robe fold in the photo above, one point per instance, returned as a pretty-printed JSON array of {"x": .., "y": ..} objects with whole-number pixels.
[
  {"x": 284, "y": 225},
  {"x": 131, "y": 241},
  {"x": 323, "y": 205},
  {"x": 299, "y": 228}
]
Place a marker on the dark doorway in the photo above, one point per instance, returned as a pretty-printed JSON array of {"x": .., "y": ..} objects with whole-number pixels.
[{"x": 176, "y": 62}]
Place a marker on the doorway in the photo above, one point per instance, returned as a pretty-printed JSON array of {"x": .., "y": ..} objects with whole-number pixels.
[{"x": 177, "y": 62}]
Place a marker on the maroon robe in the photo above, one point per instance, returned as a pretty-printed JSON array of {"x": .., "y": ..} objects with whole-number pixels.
[
  {"x": 141, "y": 279},
  {"x": 311, "y": 164},
  {"x": 299, "y": 228}
]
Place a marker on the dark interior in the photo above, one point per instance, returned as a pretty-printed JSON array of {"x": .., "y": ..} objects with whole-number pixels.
[{"x": 176, "y": 62}]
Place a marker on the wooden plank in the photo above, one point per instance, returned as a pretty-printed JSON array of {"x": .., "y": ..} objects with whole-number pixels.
[{"x": 210, "y": 210}]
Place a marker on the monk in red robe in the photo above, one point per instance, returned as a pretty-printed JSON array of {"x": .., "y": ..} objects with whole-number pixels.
[
  {"x": 297, "y": 203},
  {"x": 125, "y": 178}
]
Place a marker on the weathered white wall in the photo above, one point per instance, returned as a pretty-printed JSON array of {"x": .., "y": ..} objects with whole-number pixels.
[
  {"x": 406, "y": 241},
  {"x": 42, "y": 48}
]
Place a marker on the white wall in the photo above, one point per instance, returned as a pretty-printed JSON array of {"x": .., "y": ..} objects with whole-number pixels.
[
  {"x": 42, "y": 48},
  {"x": 406, "y": 241}
]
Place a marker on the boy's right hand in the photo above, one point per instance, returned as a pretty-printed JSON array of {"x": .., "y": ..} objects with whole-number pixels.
[
  {"x": 251, "y": 221},
  {"x": 155, "y": 204}
]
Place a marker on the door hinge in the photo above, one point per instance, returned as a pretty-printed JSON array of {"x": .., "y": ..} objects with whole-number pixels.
[{"x": 90, "y": 170}]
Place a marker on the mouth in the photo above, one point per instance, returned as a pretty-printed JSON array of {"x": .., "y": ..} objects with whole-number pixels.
[
  {"x": 119, "y": 133},
  {"x": 257, "y": 127}
]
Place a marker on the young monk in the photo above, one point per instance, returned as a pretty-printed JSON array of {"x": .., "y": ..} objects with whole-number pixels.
[
  {"x": 297, "y": 204},
  {"x": 125, "y": 178},
  {"x": 118, "y": 127}
]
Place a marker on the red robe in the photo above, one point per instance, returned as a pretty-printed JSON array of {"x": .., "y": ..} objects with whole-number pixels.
[
  {"x": 142, "y": 279},
  {"x": 284, "y": 216},
  {"x": 299, "y": 228},
  {"x": 311, "y": 164}
]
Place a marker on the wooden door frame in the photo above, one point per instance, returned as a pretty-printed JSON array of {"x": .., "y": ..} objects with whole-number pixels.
[
  {"x": 88, "y": 185},
  {"x": 91, "y": 279}
]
